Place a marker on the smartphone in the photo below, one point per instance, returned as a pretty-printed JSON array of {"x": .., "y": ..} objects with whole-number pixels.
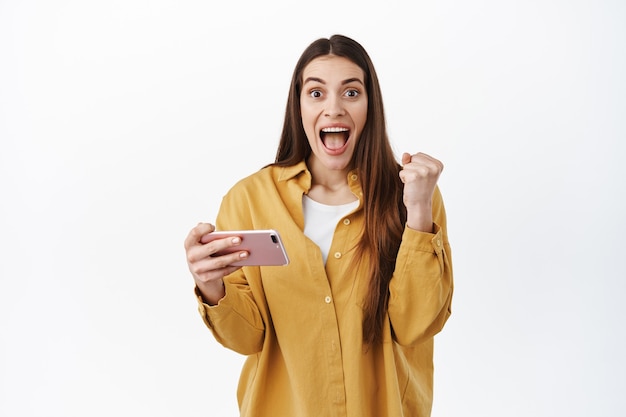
[{"x": 264, "y": 247}]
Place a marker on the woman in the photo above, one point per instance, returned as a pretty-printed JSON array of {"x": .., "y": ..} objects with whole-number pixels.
[{"x": 346, "y": 329}]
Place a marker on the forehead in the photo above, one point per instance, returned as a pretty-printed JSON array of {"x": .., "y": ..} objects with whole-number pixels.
[{"x": 332, "y": 67}]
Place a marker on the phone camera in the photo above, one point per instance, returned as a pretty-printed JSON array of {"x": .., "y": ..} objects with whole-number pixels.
[{"x": 274, "y": 239}]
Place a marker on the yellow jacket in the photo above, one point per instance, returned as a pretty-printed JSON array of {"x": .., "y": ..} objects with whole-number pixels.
[{"x": 300, "y": 324}]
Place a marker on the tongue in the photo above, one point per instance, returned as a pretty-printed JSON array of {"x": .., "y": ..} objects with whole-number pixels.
[{"x": 334, "y": 140}]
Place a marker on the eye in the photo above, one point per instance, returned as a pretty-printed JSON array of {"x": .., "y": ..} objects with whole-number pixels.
[
  {"x": 352, "y": 93},
  {"x": 315, "y": 93}
]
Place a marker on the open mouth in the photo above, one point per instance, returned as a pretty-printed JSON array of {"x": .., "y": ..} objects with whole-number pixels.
[{"x": 334, "y": 138}]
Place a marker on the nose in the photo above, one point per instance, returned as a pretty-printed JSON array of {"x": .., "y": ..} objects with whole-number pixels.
[{"x": 334, "y": 107}]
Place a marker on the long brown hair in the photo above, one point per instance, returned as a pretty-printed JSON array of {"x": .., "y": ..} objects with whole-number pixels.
[{"x": 373, "y": 157}]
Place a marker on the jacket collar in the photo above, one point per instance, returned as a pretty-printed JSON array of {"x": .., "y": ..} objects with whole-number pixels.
[{"x": 290, "y": 172}]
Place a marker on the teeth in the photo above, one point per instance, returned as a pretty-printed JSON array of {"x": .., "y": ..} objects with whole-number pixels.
[{"x": 334, "y": 129}]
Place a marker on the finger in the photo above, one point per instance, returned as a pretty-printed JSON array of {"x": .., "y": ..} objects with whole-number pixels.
[
  {"x": 414, "y": 174},
  {"x": 214, "y": 243},
  {"x": 210, "y": 267},
  {"x": 228, "y": 260},
  {"x": 422, "y": 160},
  {"x": 426, "y": 159},
  {"x": 406, "y": 158},
  {"x": 209, "y": 264},
  {"x": 194, "y": 236},
  {"x": 209, "y": 248}
]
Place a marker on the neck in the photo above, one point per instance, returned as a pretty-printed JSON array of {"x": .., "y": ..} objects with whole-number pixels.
[
  {"x": 329, "y": 186},
  {"x": 330, "y": 178}
]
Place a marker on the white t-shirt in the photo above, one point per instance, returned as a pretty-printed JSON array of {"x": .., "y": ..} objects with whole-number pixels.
[{"x": 320, "y": 221}]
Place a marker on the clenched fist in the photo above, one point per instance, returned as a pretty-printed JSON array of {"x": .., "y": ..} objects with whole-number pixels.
[{"x": 420, "y": 173}]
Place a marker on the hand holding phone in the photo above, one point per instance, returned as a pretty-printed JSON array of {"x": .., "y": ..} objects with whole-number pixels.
[{"x": 264, "y": 247}]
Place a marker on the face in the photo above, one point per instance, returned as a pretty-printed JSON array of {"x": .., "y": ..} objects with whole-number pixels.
[{"x": 334, "y": 110}]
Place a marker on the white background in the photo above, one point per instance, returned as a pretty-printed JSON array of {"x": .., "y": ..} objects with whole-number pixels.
[{"x": 122, "y": 123}]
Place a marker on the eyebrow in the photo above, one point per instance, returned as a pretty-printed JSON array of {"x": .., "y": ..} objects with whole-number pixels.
[{"x": 344, "y": 82}]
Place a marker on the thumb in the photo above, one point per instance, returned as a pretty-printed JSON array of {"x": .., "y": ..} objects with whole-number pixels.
[{"x": 406, "y": 158}]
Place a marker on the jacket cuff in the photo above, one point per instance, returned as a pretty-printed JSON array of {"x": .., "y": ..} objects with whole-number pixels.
[{"x": 423, "y": 241}]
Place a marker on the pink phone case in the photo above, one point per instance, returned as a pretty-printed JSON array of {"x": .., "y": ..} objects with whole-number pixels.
[{"x": 264, "y": 247}]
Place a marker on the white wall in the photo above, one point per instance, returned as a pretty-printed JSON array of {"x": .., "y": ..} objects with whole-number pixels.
[{"x": 122, "y": 123}]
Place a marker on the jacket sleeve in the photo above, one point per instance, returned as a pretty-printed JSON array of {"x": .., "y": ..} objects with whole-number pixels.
[
  {"x": 235, "y": 321},
  {"x": 420, "y": 291}
]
